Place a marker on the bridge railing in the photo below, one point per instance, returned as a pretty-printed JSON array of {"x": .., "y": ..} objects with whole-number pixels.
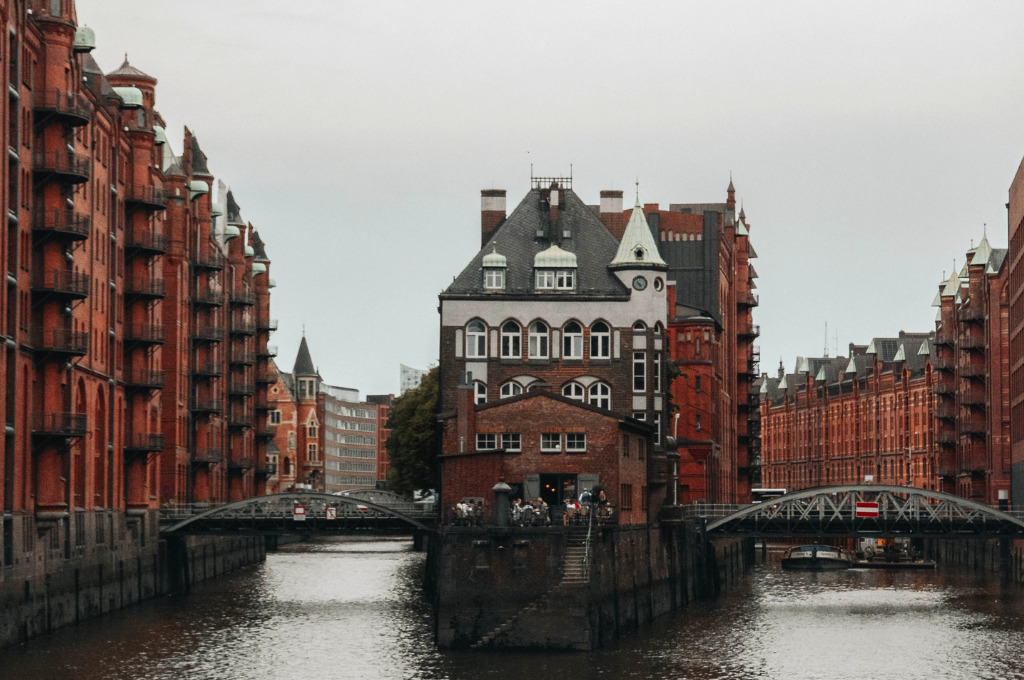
[{"x": 716, "y": 510}]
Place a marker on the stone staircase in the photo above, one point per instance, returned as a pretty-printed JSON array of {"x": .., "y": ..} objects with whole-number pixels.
[{"x": 575, "y": 574}]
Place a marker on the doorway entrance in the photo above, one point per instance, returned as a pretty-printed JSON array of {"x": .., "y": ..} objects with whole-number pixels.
[{"x": 555, "y": 487}]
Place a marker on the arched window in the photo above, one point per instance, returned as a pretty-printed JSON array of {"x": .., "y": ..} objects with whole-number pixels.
[
  {"x": 600, "y": 396},
  {"x": 573, "y": 390},
  {"x": 538, "y": 340},
  {"x": 480, "y": 392},
  {"x": 639, "y": 327},
  {"x": 511, "y": 340},
  {"x": 572, "y": 341},
  {"x": 476, "y": 339},
  {"x": 600, "y": 341},
  {"x": 511, "y": 389}
]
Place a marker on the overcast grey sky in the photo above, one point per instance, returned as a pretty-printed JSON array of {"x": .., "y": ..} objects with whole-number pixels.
[{"x": 869, "y": 142}]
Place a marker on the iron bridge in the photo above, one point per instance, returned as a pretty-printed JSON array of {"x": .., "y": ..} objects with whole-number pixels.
[
  {"x": 871, "y": 510},
  {"x": 303, "y": 513}
]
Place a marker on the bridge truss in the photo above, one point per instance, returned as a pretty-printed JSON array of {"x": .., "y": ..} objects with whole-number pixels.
[
  {"x": 303, "y": 513},
  {"x": 872, "y": 510}
]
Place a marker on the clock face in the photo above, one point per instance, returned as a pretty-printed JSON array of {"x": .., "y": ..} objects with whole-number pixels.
[{"x": 639, "y": 283}]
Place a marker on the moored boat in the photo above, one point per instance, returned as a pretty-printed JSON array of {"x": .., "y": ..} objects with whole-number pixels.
[{"x": 817, "y": 557}]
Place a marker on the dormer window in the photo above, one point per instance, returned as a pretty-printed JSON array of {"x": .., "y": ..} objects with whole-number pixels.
[
  {"x": 554, "y": 269},
  {"x": 494, "y": 278},
  {"x": 494, "y": 265}
]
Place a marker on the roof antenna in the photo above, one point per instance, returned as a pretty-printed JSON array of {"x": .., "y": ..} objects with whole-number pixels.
[
  {"x": 826, "y": 338},
  {"x": 638, "y": 189}
]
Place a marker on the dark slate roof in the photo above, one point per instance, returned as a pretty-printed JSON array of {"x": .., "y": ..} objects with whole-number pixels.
[
  {"x": 288, "y": 380},
  {"x": 199, "y": 166},
  {"x": 303, "y": 361},
  {"x": 693, "y": 265},
  {"x": 995, "y": 261},
  {"x": 130, "y": 71},
  {"x": 174, "y": 171},
  {"x": 234, "y": 212},
  {"x": 516, "y": 239},
  {"x": 259, "y": 250}
]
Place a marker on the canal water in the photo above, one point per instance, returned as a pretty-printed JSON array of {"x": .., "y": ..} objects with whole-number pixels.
[{"x": 353, "y": 609}]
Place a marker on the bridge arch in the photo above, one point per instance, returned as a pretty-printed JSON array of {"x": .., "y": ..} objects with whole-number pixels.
[
  {"x": 279, "y": 508},
  {"x": 832, "y": 511}
]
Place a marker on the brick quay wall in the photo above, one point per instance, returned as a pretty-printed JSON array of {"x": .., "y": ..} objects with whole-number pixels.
[
  {"x": 65, "y": 575},
  {"x": 510, "y": 587}
]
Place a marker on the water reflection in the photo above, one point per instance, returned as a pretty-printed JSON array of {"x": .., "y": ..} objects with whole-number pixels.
[{"x": 354, "y": 609}]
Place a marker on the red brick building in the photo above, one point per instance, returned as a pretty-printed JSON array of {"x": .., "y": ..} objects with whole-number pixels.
[
  {"x": 129, "y": 307},
  {"x": 555, "y": 302},
  {"x": 1015, "y": 329},
  {"x": 925, "y": 410},
  {"x": 710, "y": 335}
]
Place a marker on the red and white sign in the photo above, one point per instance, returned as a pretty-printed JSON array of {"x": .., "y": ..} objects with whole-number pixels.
[
  {"x": 299, "y": 513},
  {"x": 865, "y": 509},
  {"x": 330, "y": 512}
]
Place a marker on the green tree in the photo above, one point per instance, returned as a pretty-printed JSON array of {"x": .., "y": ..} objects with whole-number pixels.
[{"x": 413, "y": 442}]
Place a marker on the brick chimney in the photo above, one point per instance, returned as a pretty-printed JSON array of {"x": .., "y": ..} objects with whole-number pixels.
[
  {"x": 465, "y": 404},
  {"x": 611, "y": 212},
  {"x": 492, "y": 213}
]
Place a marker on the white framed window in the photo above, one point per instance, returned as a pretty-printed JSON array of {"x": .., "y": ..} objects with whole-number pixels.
[
  {"x": 486, "y": 441},
  {"x": 600, "y": 341},
  {"x": 311, "y": 431},
  {"x": 639, "y": 415},
  {"x": 479, "y": 392},
  {"x": 601, "y": 395},
  {"x": 511, "y": 441},
  {"x": 494, "y": 279},
  {"x": 511, "y": 389},
  {"x": 545, "y": 279},
  {"x": 657, "y": 372},
  {"x": 565, "y": 279},
  {"x": 275, "y": 417},
  {"x": 511, "y": 340},
  {"x": 538, "y": 340},
  {"x": 575, "y": 442},
  {"x": 639, "y": 371},
  {"x": 573, "y": 390},
  {"x": 476, "y": 339},
  {"x": 312, "y": 451},
  {"x": 551, "y": 442},
  {"x": 639, "y": 327},
  {"x": 572, "y": 341}
]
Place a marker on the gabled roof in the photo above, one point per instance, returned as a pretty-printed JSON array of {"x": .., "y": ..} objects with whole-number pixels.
[
  {"x": 234, "y": 213},
  {"x": 982, "y": 253},
  {"x": 258, "y": 247},
  {"x": 199, "y": 166},
  {"x": 518, "y": 240}
]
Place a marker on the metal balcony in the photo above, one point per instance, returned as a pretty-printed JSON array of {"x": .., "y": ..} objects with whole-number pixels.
[
  {"x": 241, "y": 297},
  {"x": 63, "y": 341},
  {"x": 210, "y": 260},
  {"x": 749, "y": 330},
  {"x": 268, "y": 431},
  {"x": 268, "y": 325},
  {"x": 945, "y": 438},
  {"x": 64, "y": 223},
  {"x": 946, "y": 411},
  {"x": 208, "y": 369},
  {"x": 65, "y": 165},
  {"x": 971, "y": 314},
  {"x": 241, "y": 387},
  {"x": 207, "y": 333},
  {"x": 206, "y": 405},
  {"x": 144, "y": 443},
  {"x": 972, "y": 371},
  {"x": 145, "y": 242},
  {"x": 144, "y": 379},
  {"x": 241, "y": 464},
  {"x": 144, "y": 334},
  {"x": 972, "y": 342},
  {"x": 146, "y": 287},
  {"x": 243, "y": 327},
  {"x": 59, "y": 282},
  {"x": 242, "y": 357},
  {"x": 747, "y": 300},
  {"x": 240, "y": 418},
  {"x": 60, "y": 425},
  {"x": 144, "y": 196},
  {"x": 207, "y": 456},
  {"x": 944, "y": 339},
  {"x": 211, "y": 298},
  {"x": 266, "y": 352},
  {"x": 66, "y": 107}
]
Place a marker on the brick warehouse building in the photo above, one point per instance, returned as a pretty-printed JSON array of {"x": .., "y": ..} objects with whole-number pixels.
[
  {"x": 710, "y": 338},
  {"x": 553, "y": 302},
  {"x": 1015, "y": 304},
  {"x": 132, "y": 312},
  {"x": 926, "y": 410}
]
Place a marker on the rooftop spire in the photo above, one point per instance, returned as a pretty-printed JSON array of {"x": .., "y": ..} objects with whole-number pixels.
[
  {"x": 303, "y": 360},
  {"x": 637, "y": 248}
]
